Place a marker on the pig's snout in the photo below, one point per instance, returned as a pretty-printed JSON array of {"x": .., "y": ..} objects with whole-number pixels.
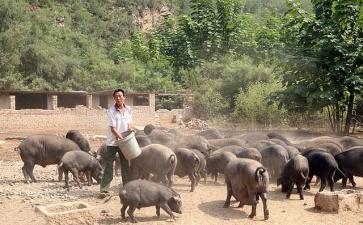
[
  {"x": 99, "y": 177},
  {"x": 176, "y": 204}
]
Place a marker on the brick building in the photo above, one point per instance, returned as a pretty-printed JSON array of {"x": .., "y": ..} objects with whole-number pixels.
[
  {"x": 18, "y": 100},
  {"x": 28, "y": 111}
]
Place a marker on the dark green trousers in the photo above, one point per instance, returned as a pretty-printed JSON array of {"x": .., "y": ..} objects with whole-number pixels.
[{"x": 108, "y": 172}]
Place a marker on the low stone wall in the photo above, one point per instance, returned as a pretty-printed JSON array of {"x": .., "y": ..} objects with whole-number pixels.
[{"x": 62, "y": 120}]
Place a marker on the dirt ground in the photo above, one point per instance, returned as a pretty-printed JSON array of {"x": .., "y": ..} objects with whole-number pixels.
[{"x": 19, "y": 201}]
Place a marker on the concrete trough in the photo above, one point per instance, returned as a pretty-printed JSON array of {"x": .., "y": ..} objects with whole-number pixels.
[{"x": 63, "y": 208}]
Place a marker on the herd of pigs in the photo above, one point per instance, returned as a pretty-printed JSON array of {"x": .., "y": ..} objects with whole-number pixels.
[{"x": 248, "y": 162}]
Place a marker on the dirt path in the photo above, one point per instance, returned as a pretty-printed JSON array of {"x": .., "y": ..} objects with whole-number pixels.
[{"x": 18, "y": 201}]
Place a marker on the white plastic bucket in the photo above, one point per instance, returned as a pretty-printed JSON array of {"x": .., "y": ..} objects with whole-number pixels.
[{"x": 128, "y": 145}]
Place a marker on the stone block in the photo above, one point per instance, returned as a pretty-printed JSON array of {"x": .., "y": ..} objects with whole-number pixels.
[
  {"x": 338, "y": 201},
  {"x": 68, "y": 213},
  {"x": 62, "y": 208}
]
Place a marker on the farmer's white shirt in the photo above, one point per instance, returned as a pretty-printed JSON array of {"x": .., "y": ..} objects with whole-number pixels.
[{"x": 118, "y": 120}]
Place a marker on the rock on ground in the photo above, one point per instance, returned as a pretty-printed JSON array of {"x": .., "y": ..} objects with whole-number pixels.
[{"x": 337, "y": 201}]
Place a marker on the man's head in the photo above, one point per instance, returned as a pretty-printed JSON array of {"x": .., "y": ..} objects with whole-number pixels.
[
  {"x": 119, "y": 96},
  {"x": 118, "y": 90}
]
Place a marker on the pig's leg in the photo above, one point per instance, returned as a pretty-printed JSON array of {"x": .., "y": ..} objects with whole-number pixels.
[
  {"x": 60, "y": 173},
  {"x": 25, "y": 173},
  {"x": 215, "y": 177},
  {"x": 204, "y": 175},
  {"x": 29, "y": 171},
  {"x": 344, "y": 182},
  {"x": 157, "y": 210},
  {"x": 166, "y": 209},
  {"x": 307, "y": 184},
  {"x": 352, "y": 180},
  {"x": 253, "y": 212},
  {"x": 164, "y": 180},
  {"x": 74, "y": 172},
  {"x": 290, "y": 190},
  {"x": 266, "y": 213},
  {"x": 192, "y": 179},
  {"x": 331, "y": 183},
  {"x": 131, "y": 211},
  {"x": 252, "y": 199},
  {"x": 197, "y": 176},
  {"x": 170, "y": 175},
  {"x": 240, "y": 205},
  {"x": 299, "y": 190},
  {"x": 89, "y": 178},
  {"x": 322, "y": 184},
  {"x": 229, "y": 194},
  {"x": 123, "y": 209},
  {"x": 66, "y": 179},
  {"x": 81, "y": 176}
]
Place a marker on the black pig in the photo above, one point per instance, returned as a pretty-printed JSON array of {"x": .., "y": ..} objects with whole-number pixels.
[
  {"x": 137, "y": 194},
  {"x": 80, "y": 161},
  {"x": 296, "y": 171},
  {"x": 43, "y": 150}
]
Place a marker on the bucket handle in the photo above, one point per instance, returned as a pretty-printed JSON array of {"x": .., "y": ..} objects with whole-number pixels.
[{"x": 117, "y": 139}]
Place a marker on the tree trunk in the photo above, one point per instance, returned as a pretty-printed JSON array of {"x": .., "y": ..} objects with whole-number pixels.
[
  {"x": 337, "y": 117},
  {"x": 331, "y": 119},
  {"x": 349, "y": 113}
]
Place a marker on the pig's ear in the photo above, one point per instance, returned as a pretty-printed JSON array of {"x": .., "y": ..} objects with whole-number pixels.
[
  {"x": 100, "y": 175},
  {"x": 177, "y": 198},
  {"x": 92, "y": 153},
  {"x": 279, "y": 181}
]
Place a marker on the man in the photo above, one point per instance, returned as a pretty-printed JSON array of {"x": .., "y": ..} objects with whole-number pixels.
[{"x": 119, "y": 119}]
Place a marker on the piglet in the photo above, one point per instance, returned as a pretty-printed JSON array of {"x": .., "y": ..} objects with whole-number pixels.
[
  {"x": 79, "y": 161},
  {"x": 137, "y": 194}
]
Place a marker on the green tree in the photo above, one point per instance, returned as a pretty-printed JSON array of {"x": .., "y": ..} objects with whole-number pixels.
[
  {"x": 14, "y": 30},
  {"x": 177, "y": 43},
  {"x": 151, "y": 70},
  {"x": 325, "y": 55}
]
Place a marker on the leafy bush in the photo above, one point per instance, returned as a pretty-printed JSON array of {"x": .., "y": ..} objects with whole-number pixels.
[
  {"x": 169, "y": 102},
  {"x": 208, "y": 102},
  {"x": 255, "y": 108},
  {"x": 252, "y": 106}
]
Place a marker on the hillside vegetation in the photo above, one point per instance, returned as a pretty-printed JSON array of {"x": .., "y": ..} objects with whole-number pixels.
[{"x": 218, "y": 50}]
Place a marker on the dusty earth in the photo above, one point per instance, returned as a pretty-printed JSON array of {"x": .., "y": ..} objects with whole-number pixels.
[{"x": 19, "y": 201}]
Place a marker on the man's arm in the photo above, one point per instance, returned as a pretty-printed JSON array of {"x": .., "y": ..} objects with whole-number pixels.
[
  {"x": 129, "y": 127},
  {"x": 116, "y": 133}
]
